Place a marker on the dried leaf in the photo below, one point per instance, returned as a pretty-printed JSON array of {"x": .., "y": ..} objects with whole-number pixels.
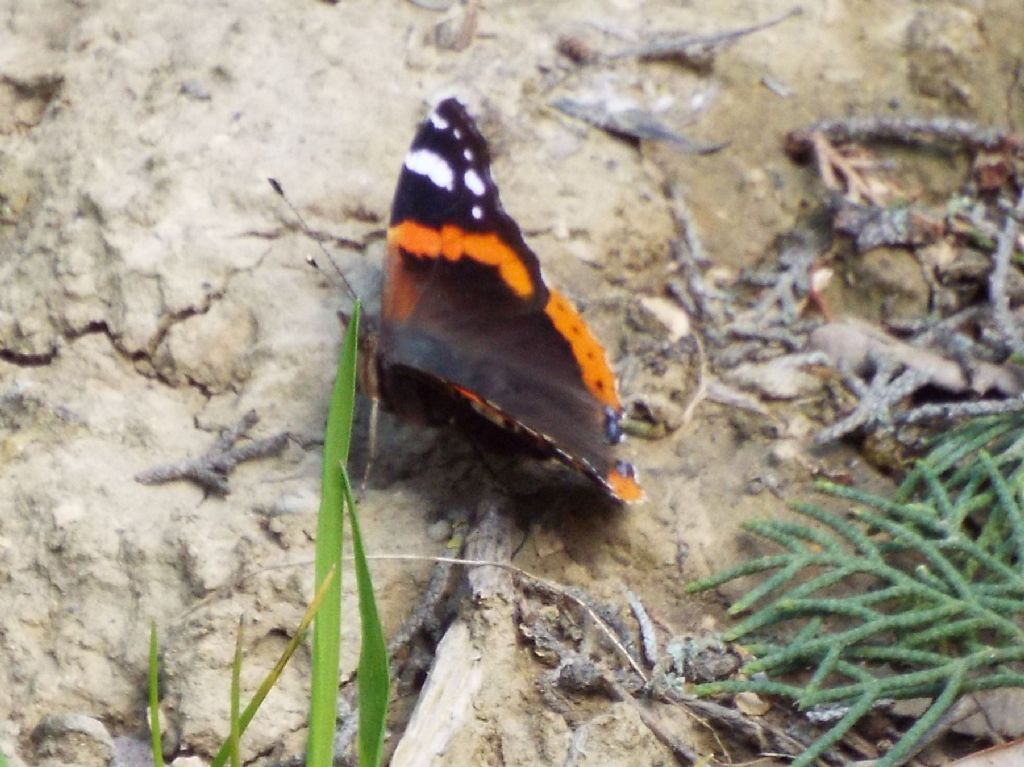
[
  {"x": 752, "y": 704},
  {"x": 859, "y": 345},
  {"x": 632, "y": 124}
]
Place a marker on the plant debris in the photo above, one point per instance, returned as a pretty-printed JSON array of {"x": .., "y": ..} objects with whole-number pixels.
[
  {"x": 877, "y": 226},
  {"x": 904, "y": 130},
  {"x": 899, "y": 370},
  {"x": 210, "y": 471},
  {"x": 696, "y": 51},
  {"x": 965, "y": 358},
  {"x": 630, "y": 123}
]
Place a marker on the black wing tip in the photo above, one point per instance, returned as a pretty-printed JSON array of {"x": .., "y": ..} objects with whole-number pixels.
[{"x": 451, "y": 105}]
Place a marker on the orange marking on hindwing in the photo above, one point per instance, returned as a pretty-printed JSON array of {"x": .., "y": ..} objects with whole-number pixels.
[{"x": 624, "y": 486}]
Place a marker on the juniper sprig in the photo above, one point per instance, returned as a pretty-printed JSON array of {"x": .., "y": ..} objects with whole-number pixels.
[{"x": 920, "y": 595}]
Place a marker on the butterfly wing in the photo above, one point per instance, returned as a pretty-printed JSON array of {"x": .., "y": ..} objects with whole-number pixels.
[{"x": 464, "y": 301}]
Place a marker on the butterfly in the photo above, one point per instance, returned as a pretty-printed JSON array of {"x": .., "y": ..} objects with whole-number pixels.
[{"x": 470, "y": 333}]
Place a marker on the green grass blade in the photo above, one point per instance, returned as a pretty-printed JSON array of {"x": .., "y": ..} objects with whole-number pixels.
[
  {"x": 271, "y": 678},
  {"x": 236, "y": 676},
  {"x": 374, "y": 677},
  {"x": 154, "y": 701},
  {"x": 330, "y": 521}
]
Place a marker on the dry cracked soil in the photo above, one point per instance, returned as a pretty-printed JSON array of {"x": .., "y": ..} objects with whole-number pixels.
[{"x": 153, "y": 289}]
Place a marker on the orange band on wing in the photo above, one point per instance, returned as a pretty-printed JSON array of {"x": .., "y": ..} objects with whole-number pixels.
[
  {"x": 454, "y": 243},
  {"x": 589, "y": 355}
]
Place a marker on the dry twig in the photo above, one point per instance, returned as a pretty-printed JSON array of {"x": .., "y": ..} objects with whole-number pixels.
[
  {"x": 697, "y": 51},
  {"x": 888, "y": 386},
  {"x": 1008, "y": 325},
  {"x": 873, "y": 226},
  {"x": 954, "y": 411},
  {"x": 634, "y": 125},
  {"x": 211, "y": 470},
  {"x": 577, "y": 673},
  {"x": 699, "y": 299},
  {"x": 905, "y": 130},
  {"x": 648, "y": 637}
]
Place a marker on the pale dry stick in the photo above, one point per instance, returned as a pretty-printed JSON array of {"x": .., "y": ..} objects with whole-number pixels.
[
  {"x": 703, "y": 374},
  {"x": 1005, "y": 248},
  {"x": 686, "y": 227},
  {"x": 698, "y": 49},
  {"x": 689, "y": 253},
  {"x": 907, "y": 130},
  {"x": 692, "y": 257},
  {"x": 822, "y": 159},
  {"x": 953, "y": 411},
  {"x": 648, "y": 637},
  {"x": 490, "y": 540}
]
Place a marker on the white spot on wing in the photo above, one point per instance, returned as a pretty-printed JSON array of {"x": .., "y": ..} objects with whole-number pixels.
[
  {"x": 432, "y": 165},
  {"x": 439, "y": 122},
  {"x": 474, "y": 182},
  {"x": 458, "y": 133},
  {"x": 468, "y": 154},
  {"x": 477, "y": 212}
]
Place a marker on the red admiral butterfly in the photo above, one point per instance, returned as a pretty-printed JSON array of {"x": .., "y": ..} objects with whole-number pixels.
[{"x": 470, "y": 333}]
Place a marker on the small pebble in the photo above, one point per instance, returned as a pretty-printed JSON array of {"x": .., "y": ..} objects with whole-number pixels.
[
  {"x": 76, "y": 739},
  {"x": 440, "y": 531}
]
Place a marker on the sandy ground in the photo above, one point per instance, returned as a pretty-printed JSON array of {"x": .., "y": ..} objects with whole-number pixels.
[{"x": 153, "y": 289}]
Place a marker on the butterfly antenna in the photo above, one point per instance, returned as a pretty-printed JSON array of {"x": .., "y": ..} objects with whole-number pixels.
[{"x": 279, "y": 190}]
